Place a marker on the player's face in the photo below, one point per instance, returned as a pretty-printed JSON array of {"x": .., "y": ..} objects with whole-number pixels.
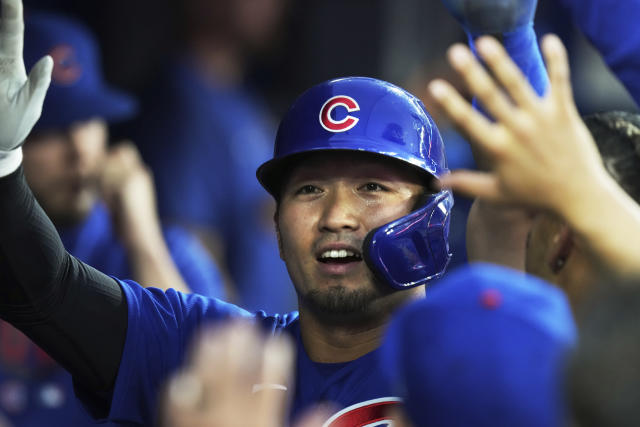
[
  {"x": 329, "y": 204},
  {"x": 62, "y": 168}
]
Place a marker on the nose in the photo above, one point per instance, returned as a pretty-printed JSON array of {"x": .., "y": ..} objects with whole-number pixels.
[{"x": 340, "y": 211}]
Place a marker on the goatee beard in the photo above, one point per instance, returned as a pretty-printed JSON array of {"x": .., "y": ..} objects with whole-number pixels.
[{"x": 340, "y": 302}]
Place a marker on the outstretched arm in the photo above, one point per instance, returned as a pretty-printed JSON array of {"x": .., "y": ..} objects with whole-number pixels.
[
  {"x": 612, "y": 27},
  {"x": 532, "y": 144},
  {"x": 498, "y": 233},
  {"x": 75, "y": 313}
]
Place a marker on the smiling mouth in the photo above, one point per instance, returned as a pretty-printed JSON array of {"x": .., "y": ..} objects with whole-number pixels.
[{"x": 339, "y": 256}]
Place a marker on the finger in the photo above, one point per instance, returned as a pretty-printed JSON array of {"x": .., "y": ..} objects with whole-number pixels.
[
  {"x": 243, "y": 353},
  {"x": 185, "y": 391},
  {"x": 506, "y": 71},
  {"x": 479, "y": 130},
  {"x": 209, "y": 350},
  {"x": 277, "y": 370},
  {"x": 127, "y": 154},
  {"x": 183, "y": 401},
  {"x": 40, "y": 79},
  {"x": 11, "y": 29},
  {"x": 473, "y": 184},
  {"x": 555, "y": 55},
  {"x": 315, "y": 417},
  {"x": 480, "y": 83}
]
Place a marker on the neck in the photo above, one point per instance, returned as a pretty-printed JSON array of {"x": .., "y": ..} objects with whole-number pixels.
[
  {"x": 220, "y": 62},
  {"x": 329, "y": 339}
]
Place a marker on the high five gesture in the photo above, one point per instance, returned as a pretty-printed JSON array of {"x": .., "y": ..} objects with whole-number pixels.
[{"x": 21, "y": 96}]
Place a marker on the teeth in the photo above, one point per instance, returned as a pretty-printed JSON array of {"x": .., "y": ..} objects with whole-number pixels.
[{"x": 342, "y": 253}]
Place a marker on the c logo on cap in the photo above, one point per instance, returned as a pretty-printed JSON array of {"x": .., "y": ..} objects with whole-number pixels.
[
  {"x": 66, "y": 67},
  {"x": 346, "y": 123}
]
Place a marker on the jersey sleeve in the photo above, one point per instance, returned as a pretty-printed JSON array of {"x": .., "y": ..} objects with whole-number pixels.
[
  {"x": 196, "y": 267},
  {"x": 159, "y": 329},
  {"x": 612, "y": 27}
]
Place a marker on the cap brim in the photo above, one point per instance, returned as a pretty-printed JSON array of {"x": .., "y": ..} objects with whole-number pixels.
[{"x": 63, "y": 107}]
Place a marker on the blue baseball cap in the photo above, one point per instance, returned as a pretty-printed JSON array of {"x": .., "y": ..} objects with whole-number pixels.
[
  {"x": 486, "y": 347},
  {"x": 78, "y": 91}
]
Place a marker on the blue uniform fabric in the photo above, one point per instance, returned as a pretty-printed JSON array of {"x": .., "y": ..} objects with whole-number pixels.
[
  {"x": 522, "y": 46},
  {"x": 161, "y": 326},
  {"x": 612, "y": 27},
  {"x": 34, "y": 391},
  {"x": 204, "y": 144},
  {"x": 95, "y": 242}
]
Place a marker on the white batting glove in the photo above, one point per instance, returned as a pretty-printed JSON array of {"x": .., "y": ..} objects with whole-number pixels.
[{"x": 21, "y": 97}]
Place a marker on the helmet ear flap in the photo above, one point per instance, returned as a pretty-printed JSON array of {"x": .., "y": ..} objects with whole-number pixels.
[{"x": 414, "y": 249}]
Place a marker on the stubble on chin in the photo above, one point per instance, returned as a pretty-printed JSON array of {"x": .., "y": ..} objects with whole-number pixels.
[{"x": 340, "y": 300}]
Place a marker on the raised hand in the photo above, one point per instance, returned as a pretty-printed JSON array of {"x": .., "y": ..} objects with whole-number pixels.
[
  {"x": 492, "y": 16},
  {"x": 21, "y": 97},
  {"x": 235, "y": 377},
  {"x": 542, "y": 154}
]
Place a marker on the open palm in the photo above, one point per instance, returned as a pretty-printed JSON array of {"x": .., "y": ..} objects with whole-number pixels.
[{"x": 21, "y": 97}]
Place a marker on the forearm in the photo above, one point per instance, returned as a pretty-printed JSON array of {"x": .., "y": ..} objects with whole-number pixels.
[
  {"x": 612, "y": 26},
  {"x": 152, "y": 264},
  {"x": 75, "y": 313},
  {"x": 607, "y": 223},
  {"x": 497, "y": 233}
]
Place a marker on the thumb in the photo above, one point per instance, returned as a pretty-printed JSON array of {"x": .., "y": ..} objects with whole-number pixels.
[{"x": 39, "y": 80}]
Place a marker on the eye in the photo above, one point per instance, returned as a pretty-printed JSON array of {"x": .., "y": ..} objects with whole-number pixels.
[
  {"x": 308, "y": 189},
  {"x": 373, "y": 186}
]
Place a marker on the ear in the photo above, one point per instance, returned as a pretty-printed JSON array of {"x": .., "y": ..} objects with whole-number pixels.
[
  {"x": 561, "y": 248},
  {"x": 275, "y": 223}
]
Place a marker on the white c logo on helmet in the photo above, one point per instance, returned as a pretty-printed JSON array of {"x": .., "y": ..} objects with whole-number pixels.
[{"x": 346, "y": 123}]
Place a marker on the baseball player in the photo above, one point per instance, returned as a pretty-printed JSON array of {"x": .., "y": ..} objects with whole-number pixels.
[
  {"x": 359, "y": 228},
  {"x": 488, "y": 321},
  {"x": 101, "y": 201}
]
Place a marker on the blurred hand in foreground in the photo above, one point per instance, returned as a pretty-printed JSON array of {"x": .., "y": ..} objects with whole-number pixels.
[{"x": 235, "y": 377}]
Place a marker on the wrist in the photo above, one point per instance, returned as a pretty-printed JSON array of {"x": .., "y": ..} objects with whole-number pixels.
[
  {"x": 585, "y": 207},
  {"x": 10, "y": 161}
]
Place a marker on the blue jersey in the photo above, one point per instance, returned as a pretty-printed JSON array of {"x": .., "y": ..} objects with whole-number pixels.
[
  {"x": 34, "y": 390},
  {"x": 612, "y": 28},
  {"x": 96, "y": 243},
  {"x": 161, "y": 326}
]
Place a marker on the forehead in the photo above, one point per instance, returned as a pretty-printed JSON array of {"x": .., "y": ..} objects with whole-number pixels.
[{"x": 352, "y": 164}]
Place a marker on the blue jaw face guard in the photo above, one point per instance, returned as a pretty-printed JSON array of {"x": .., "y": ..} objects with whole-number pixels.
[{"x": 414, "y": 249}]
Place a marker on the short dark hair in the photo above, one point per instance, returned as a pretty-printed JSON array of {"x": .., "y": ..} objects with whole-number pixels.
[{"x": 617, "y": 135}]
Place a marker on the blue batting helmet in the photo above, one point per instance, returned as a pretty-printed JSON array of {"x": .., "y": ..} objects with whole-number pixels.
[{"x": 362, "y": 114}]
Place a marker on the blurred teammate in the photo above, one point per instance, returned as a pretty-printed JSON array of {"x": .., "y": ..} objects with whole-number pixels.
[
  {"x": 494, "y": 353},
  {"x": 201, "y": 103},
  {"x": 554, "y": 251},
  {"x": 102, "y": 202}
]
